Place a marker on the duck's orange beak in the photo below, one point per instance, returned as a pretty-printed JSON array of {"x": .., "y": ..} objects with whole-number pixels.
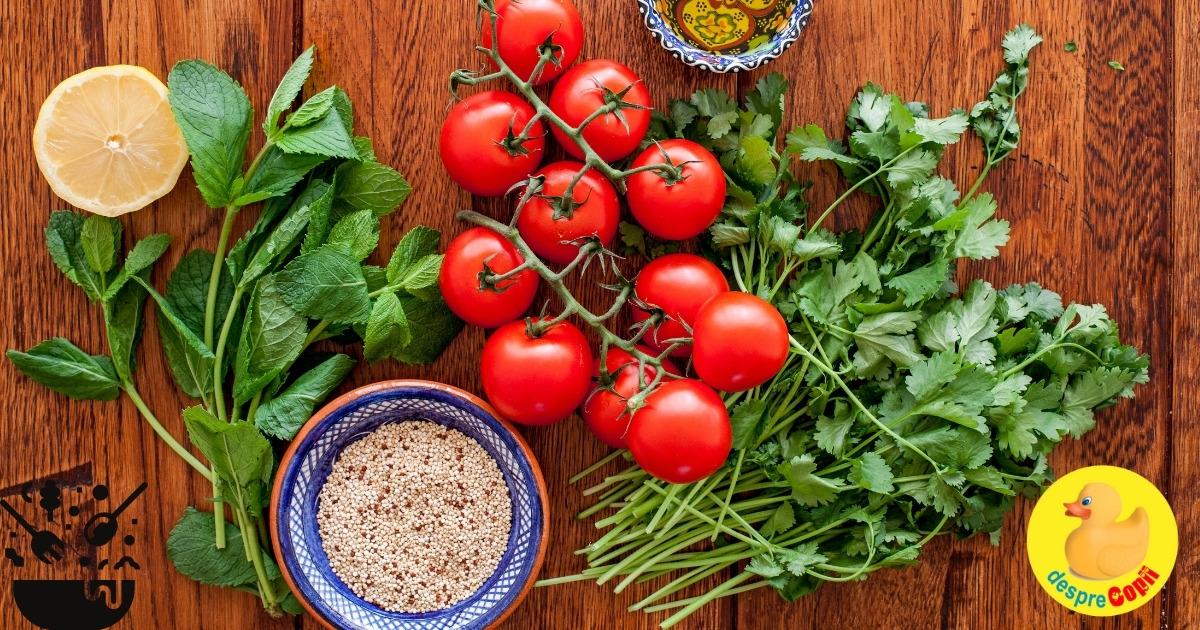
[{"x": 1077, "y": 510}]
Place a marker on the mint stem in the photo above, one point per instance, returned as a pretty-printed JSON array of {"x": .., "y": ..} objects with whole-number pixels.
[{"x": 131, "y": 390}]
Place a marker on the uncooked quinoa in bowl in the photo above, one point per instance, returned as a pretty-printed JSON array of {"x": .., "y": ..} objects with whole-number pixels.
[{"x": 409, "y": 505}]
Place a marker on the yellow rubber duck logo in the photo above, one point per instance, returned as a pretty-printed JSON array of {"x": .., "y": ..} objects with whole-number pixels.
[
  {"x": 1112, "y": 548},
  {"x": 1103, "y": 547}
]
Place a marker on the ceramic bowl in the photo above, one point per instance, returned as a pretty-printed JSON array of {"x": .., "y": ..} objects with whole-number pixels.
[
  {"x": 726, "y": 35},
  {"x": 310, "y": 458}
]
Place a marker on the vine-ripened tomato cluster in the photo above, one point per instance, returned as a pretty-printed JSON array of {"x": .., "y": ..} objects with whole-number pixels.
[{"x": 539, "y": 370}]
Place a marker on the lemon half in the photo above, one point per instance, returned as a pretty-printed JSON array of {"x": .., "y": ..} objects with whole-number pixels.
[{"x": 107, "y": 142}]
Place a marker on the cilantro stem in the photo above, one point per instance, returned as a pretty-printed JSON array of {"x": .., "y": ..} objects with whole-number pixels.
[
  {"x": 858, "y": 403},
  {"x": 693, "y": 604},
  {"x": 1057, "y": 344},
  {"x": 737, "y": 469},
  {"x": 131, "y": 390},
  {"x": 594, "y": 467},
  {"x": 882, "y": 169}
]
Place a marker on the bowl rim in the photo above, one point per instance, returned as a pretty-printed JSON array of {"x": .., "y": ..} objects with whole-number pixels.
[
  {"x": 349, "y": 397},
  {"x": 715, "y": 62}
]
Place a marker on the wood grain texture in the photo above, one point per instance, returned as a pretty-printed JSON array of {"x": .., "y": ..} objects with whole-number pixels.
[
  {"x": 1100, "y": 209},
  {"x": 1184, "y": 494}
]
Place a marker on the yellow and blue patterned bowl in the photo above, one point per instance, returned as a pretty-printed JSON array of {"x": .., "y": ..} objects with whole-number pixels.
[{"x": 726, "y": 35}]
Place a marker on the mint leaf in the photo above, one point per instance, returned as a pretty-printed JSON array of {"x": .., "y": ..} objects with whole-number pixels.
[
  {"x": 64, "y": 240},
  {"x": 330, "y": 135},
  {"x": 371, "y": 186},
  {"x": 314, "y": 109},
  {"x": 417, "y": 244},
  {"x": 277, "y": 173},
  {"x": 286, "y": 234},
  {"x": 388, "y": 332},
  {"x": 289, "y": 88},
  {"x": 272, "y": 337},
  {"x": 100, "y": 238},
  {"x": 241, "y": 457},
  {"x": 214, "y": 114},
  {"x": 320, "y": 220},
  {"x": 123, "y": 318},
  {"x": 61, "y": 366},
  {"x": 357, "y": 233},
  {"x": 326, "y": 284},
  {"x": 283, "y": 415},
  {"x": 433, "y": 327},
  {"x": 145, "y": 253},
  {"x": 167, "y": 311},
  {"x": 192, "y": 548}
]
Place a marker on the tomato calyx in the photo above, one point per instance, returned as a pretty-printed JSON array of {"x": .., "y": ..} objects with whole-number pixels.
[
  {"x": 671, "y": 172},
  {"x": 489, "y": 280},
  {"x": 514, "y": 142},
  {"x": 614, "y": 103}
]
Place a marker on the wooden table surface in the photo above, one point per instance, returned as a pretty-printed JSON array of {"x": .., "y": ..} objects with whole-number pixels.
[{"x": 1102, "y": 200}]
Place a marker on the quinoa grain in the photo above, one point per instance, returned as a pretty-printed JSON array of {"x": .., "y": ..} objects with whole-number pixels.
[{"x": 417, "y": 528}]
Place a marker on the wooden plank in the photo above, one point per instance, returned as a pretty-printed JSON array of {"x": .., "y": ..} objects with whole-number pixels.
[
  {"x": 394, "y": 61},
  {"x": 1095, "y": 141},
  {"x": 1184, "y": 495},
  {"x": 43, "y": 43}
]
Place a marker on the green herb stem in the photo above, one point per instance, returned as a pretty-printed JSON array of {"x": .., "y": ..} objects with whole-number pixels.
[{"x": 131, "y": 390}]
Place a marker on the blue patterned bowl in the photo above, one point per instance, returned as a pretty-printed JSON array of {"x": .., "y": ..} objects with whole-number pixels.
[
  {"x": 745, "y": 33},
  {"x": 309, "y": 459}
]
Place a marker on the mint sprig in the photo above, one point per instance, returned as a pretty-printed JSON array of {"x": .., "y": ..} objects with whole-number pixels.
[{"x": 235, "y": 326}]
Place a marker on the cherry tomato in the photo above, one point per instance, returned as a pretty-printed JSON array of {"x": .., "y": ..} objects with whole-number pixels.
[
  {"x": 678, "y": 284},
  {"x": 604, "y": 410},
  {"x": 739, "y": 341},
  {"x": 682, "y": 434},
  {"x": 677, "y": 210},
  {"x": 471, "y": 143},
  {"x": 536, "y": 381},
  {"x": 596, "y": 213},
  {"x": 524, "y": 26},
  {"x": 460, "y": 283},
  {"x": 588, "y": 87}
]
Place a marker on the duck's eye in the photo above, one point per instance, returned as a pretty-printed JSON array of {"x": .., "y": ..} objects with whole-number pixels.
[{"x": 1086, "y": 501}]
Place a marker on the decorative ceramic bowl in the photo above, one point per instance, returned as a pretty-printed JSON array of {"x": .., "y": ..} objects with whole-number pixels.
[
  {"x": 726, "y": 35},
  {"x": 308, "y": 461}
]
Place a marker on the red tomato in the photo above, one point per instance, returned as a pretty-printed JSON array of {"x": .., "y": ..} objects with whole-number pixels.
[
  {"x": 739, "y": 341},
  {"x": 536, "y": 381},
  {"x": 459, "y": 279},
  {"x": 471, "y": 149},
  {"x": 604, "y": 410},
  {"x": 677, "y": 210},
  {"x": 597, "y": 214},
  {"x": 583, "y": 90},
  {"x": 678, "y": 284},
  {"x": 524, "y": 25},
  {"x": 682, "y": 434}
]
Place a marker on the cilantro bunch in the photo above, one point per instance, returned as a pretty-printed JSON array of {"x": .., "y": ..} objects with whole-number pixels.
[
  {"x": 235, "y": 324},
  {"x": 907, "y": 409}
]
